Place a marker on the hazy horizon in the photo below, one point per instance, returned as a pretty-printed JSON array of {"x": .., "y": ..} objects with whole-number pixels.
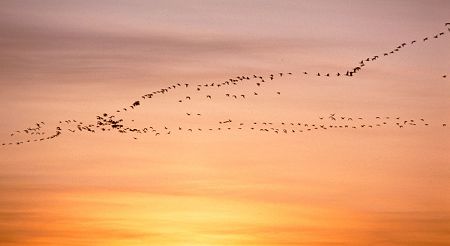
[{"x": 304, "y": 179}]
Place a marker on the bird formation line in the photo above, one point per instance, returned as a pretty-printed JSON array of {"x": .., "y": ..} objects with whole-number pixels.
[
  {"x": 110, "y": 122},
  {"x": 332, "y": 121},
  {"x": 395, "y": 50}
]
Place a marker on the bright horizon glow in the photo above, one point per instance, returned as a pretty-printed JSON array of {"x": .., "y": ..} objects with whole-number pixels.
[{"x": 384, "y": 185}]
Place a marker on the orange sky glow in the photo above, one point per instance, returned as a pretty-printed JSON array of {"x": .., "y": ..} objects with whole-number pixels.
[{"x": 359, "y": 179}]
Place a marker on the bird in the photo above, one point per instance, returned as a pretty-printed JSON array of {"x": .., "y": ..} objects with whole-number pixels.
[{"x": 107, "y": 122}]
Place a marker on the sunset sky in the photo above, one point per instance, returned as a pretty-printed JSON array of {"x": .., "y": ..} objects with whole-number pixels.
[{"x": 71, "y": 59}]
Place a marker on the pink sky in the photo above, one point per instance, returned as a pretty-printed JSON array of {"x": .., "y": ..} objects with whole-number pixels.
[{"x": 77, "y": 59}]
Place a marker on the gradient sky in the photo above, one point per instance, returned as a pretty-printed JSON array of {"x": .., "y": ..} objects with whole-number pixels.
[{"x": 77, "y": 59}]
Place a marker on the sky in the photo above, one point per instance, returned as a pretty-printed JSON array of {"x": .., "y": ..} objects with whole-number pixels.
[{"x": 70, "y": 59}]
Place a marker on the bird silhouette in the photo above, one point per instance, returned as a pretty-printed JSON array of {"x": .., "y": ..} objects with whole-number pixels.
[{"x": 107, "y": 122}]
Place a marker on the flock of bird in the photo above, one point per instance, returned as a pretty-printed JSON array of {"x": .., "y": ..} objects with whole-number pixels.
[
  {"x": 393, "y": 51},
  {"x": 332, "y": 121},
  {"x": 110, "y": 122}
]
